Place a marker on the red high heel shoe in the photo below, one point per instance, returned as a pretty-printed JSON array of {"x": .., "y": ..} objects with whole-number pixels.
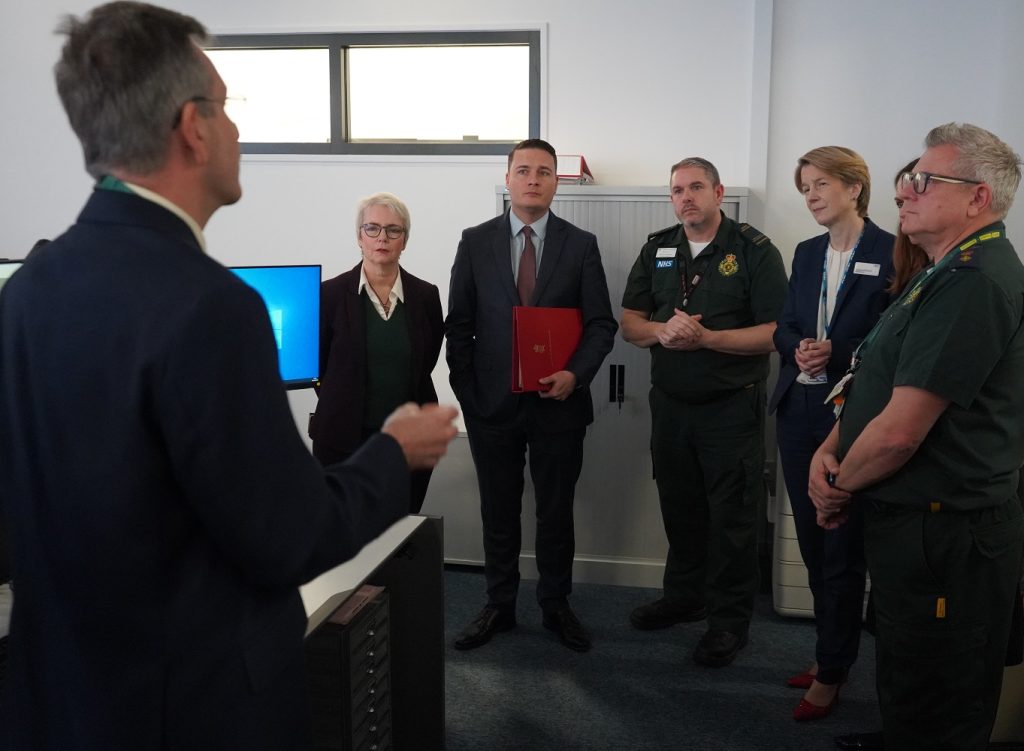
[
  {"x": 806, "y": 711},
  {"x": 804, "y": 680}
]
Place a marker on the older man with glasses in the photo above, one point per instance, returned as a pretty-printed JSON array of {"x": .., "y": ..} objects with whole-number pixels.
[{"x": 930, "y": 440}]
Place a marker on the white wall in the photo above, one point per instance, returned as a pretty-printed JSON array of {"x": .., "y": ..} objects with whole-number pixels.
[
  {"x": 634, "y": 88},
  {"x": 875, "y": 77},
  {"x": 751, "y": 84}
]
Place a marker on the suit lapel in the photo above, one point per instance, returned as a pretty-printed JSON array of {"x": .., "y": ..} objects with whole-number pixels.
[
  {"x": 554, "y": 244},
  {"x": 815, "y": 273},
  {"x": 356, "y": 317},
  {"x": 501, "y": 252},
  {"x": 865, "y": 253}
]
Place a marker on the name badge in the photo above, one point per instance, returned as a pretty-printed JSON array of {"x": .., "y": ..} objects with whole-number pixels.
[
  {"x": 665, "y": 253},
  {"x": 866, "y": 269}
]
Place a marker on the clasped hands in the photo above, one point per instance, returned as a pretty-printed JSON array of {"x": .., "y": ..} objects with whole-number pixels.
[
  {"x": 812, "y": 355},
  {"x": 681, "y": 332},
  {"x": 830, "y": 502}
]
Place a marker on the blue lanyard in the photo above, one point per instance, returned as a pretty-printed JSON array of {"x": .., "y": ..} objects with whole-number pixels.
[{"x": 826, "y": 320}]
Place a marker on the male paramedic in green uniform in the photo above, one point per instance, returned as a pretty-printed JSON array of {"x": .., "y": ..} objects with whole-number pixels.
[
  {"x": 930, "y": 440},
  {"x": 703, "y": 296}
]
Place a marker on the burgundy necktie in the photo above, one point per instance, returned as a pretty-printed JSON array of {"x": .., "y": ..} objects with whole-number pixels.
[{"x": 526, "y": 280}]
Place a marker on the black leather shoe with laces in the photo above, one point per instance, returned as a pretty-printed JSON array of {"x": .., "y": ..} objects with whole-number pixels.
[
  {"x": 568, "y": 627},
  {"x": 664, "y": 613},
  {"x": 717, "y": 648},
  {"x": 488, "y": 622}
]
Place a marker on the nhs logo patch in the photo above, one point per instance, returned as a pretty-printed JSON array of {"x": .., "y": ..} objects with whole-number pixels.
[{"x": 664, "y": 263}]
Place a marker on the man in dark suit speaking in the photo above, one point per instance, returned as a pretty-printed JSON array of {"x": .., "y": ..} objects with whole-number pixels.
[
  {"x": 527, "y": 256},
  {"x": 162, "y": 507}
]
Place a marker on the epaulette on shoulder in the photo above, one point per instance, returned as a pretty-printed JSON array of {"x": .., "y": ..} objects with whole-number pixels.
[
  {"x": 756, "y": 236},
  {"x": 966, "y": 256},
  {"x": 666, "y": 231}
]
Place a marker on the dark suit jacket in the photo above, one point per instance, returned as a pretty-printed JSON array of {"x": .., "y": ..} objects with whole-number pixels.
[
  {"x": 479, "y": 324},
  {"x": 163, "y": 508},
  {"x": 861, "y": 301},
  {"x": 339, "y": 413}
]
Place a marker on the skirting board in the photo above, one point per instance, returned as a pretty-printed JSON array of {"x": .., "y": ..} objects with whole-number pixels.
[{"x": 627, "y": 572}]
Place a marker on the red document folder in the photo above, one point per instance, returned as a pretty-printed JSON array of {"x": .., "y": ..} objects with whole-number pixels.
[{"x": 543, "y": 340}]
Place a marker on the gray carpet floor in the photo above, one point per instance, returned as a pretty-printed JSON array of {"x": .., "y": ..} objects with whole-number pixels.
[{"x": 635, "y": 690}]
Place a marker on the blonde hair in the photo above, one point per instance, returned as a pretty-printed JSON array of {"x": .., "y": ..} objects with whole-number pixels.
[{"x": 842, "y": 163}]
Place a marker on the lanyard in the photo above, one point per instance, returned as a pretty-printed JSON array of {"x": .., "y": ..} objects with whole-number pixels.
[
  {"x": 109, "y": 182},
  {"x": 825, "y": 318},
  {"x": 918, "y": 285},
  {"x": 689, "y": 286}
]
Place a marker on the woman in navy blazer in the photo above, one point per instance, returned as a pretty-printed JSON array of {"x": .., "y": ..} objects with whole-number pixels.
[
  {"x": 836, "y": 293},
  {"x": 367, "y": 370}
]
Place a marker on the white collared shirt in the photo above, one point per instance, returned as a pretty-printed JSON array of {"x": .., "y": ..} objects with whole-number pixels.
[{"x": 396, "y": 294}]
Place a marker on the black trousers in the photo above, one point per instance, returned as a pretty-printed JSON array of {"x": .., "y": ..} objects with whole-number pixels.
[
  {"x": 499, "y": 452},
  {"x": 943, "y": 585},
  {"x": 709, "y": 469},
  {"x": 834, "y": 557}
]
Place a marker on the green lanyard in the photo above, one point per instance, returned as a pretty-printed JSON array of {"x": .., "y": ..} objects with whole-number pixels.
[
  {"x": 922, "y": 280},
  {"x": 109, "y": 182}
]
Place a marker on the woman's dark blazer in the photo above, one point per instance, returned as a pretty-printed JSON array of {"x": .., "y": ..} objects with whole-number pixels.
[
  {"x": 861, "y": 301},
  {"x": 338, "y": 420}
]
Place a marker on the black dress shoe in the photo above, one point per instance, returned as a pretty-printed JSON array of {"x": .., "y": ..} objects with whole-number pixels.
[
  {"x": 663, "y": 613},
  {"x": 490, "y": 621},
  {"x": 860, "y": 741},
  {"x": 568, "y": 627},
  {"x": 718, "y": 648}
]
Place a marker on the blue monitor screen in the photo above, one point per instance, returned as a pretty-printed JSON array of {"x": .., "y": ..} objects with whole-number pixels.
[{"x": 292, "y": 295}]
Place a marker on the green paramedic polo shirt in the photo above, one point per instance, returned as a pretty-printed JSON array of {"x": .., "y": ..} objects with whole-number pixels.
[
  {"x": 957, "y": 333},
  {"x": 742, "y": 283}
]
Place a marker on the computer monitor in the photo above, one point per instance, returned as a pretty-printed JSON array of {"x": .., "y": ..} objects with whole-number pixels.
[
  {"x": 292, "y": 296},
  {"x": 7, "y": 269}
]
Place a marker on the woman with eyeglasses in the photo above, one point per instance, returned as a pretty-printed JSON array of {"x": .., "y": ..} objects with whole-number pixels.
[
  {"x": 907, "y": 259},
  {"x": 837, "y": 290},
  {"x": 380, "y": 336}
]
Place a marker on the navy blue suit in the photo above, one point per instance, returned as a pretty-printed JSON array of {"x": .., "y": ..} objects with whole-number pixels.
[
  {"x": 337, "y": 426},
  {"x": 834, "y": 558},
  {"x": 162, "y": 507},
  {"x": 502, "y": 424}
]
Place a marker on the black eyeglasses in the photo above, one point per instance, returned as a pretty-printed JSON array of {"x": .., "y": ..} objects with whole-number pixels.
[
  {"x": 222, "y": 101},
  {"x": 393, "y": 231},
  {"x": 919, "y": 180}
]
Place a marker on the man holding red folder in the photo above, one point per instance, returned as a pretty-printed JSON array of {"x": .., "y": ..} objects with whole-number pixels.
[{"x": 526, "y": 257}]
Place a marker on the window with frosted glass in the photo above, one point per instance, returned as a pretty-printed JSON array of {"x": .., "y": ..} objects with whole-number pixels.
[
  {"x": 277, "y": 95},
  {"x": 439, "y": 94},
  {"x": 382, "y": 93}
]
